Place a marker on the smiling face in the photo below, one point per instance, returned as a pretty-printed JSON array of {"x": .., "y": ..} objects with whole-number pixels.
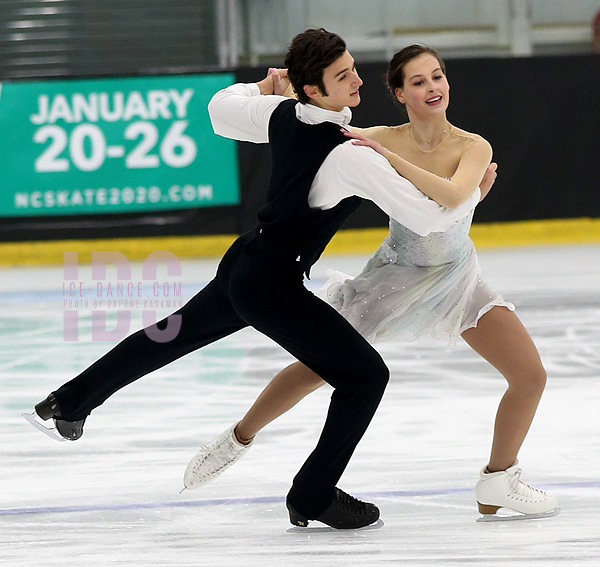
[
  {"x": 341, "y": 82},
  {"x": 425, "y": 90}
]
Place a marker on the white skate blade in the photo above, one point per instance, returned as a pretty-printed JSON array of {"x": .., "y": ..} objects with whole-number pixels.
[
  {"x": 517, "y": 516},
  {"x": 51, "y": 432}
]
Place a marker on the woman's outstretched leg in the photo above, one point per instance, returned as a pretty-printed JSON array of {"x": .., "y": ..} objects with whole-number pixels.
[{"x": 282, "y": 393}]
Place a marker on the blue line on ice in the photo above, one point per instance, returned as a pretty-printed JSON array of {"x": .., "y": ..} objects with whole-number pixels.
[{"x": 256, "y": 500}]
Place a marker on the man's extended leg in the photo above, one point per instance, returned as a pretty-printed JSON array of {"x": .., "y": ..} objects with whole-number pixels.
[{"x": 207, "y": 317}]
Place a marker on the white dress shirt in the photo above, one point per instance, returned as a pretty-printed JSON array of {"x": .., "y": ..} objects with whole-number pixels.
[{"x": 240, "y": 112}]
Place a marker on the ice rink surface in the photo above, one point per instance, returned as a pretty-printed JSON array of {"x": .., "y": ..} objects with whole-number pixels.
[{"x": 112, "y": 498}]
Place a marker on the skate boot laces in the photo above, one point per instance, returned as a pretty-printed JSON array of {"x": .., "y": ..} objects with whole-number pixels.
[
  {"x": 349, "y": 503},
  {"x": 217, "y": 457},
  {"x": 214, "y": 458},
  {"x": 522, "y": 488}
]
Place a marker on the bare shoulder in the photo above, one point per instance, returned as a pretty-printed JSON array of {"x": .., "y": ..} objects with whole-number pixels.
[
  {"x": 380, "y": 134},
  {"x": 469, "y": 139}
]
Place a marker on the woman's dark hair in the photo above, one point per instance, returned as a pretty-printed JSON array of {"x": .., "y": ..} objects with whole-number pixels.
[
  {"x": 308, "y": 55},
  {"x": 395, "y": 73}
]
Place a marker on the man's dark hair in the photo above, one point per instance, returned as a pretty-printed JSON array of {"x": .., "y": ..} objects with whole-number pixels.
[{"x": 308, "y": 55}]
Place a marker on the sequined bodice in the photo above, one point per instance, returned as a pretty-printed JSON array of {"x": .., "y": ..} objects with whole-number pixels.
[{"x": 404, "y": 247}]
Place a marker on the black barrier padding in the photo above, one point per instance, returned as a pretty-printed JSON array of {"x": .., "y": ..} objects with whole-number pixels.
[{"x": 541, "y": 114}]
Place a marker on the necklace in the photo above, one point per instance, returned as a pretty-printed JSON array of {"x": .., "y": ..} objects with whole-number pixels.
[{"x": 442, "y": 137}]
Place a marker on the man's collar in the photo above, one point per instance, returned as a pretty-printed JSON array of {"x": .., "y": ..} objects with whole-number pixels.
[{"x": 311, "y": 114}]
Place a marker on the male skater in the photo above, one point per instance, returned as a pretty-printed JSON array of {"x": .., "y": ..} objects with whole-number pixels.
[{"x": 316, "y": 181}]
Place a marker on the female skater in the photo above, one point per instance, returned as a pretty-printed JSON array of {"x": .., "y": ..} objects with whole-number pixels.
[{"x": 423, "y": 288}]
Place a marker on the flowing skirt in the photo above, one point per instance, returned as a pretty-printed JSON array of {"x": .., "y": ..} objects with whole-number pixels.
[{"x": 388, "y": 301}]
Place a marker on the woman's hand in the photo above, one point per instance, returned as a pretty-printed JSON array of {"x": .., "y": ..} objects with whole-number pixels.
[
  {"x": 359, "y": 140},
  {"x": 489, "y": 177}
]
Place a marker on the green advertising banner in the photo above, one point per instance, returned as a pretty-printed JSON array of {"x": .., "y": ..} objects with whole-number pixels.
[{"x": 112, "y": 146}]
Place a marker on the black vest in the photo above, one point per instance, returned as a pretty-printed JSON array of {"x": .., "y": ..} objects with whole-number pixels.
[{"x": 287, "y": 226}]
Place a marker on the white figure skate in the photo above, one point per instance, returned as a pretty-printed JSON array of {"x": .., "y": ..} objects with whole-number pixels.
[
  {"x": 213, "y": 459},
  {"x": 504, "y": 489}
]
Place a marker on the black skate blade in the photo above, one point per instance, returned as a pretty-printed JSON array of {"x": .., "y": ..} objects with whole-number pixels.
[
  {"x": 518, "y": 516},
  {"x": 323, "y": 528},
  {"x": 51, "y": 432}
]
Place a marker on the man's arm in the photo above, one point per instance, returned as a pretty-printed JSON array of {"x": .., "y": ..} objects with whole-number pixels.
[
  {"x": 449, "y": 193},
  {"x": 241, "y": 113},
  {"x": 355, "y": 170}
]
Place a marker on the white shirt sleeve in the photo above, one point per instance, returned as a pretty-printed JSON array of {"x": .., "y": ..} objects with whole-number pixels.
[
  {"x": 357, "y": 170},
  {"x": 240, "y": 112}
]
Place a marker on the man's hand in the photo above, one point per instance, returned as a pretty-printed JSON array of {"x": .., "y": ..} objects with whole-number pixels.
[
  {"x": 276, "y": 82},
  {"x": 488, "y": 180},
  {"x": 360, "y": 140}
]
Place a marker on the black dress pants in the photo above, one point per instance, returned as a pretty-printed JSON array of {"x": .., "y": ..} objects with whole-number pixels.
[{"x": 266, "y": 292}]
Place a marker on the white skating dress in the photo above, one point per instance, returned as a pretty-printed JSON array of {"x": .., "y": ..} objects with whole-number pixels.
[{"x": 424, "y": 288}]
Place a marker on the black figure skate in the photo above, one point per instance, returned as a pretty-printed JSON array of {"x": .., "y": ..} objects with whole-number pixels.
[
  {"x": 63, "y": 430},
  {"x": 345, "y": 512}
]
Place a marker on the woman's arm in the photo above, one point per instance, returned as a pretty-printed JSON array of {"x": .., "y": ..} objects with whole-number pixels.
[
  {"x": 488, "y": 180},
  {"x": 447, "y": 193}
]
